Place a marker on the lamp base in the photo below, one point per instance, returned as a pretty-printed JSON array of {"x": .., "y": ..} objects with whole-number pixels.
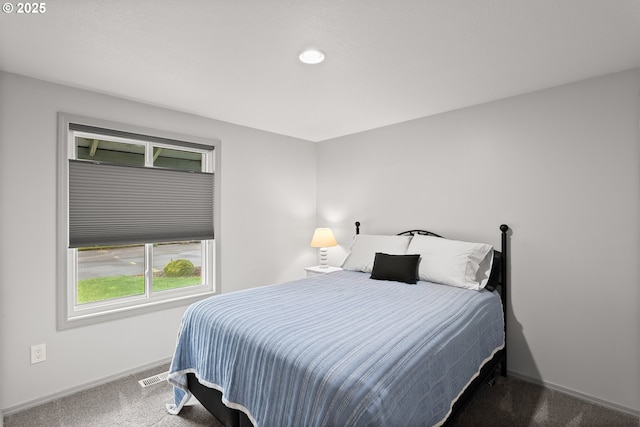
[{"x": 323, "y": 258}]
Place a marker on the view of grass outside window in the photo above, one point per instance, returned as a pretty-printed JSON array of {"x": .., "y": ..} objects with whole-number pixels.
[
  {"x": 110, "y": 272},
  {"x": 176, "y": 265}
]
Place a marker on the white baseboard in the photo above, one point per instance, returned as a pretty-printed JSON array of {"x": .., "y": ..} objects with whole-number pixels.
[
  {"x": 45, "y": 399},
  {"x": 574, "y": 393}
]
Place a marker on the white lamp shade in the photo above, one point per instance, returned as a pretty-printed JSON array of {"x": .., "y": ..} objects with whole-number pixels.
[{"x": 323, "y": 238}]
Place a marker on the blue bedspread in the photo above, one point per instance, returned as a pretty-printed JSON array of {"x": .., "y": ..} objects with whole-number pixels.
[{"x": 339, "y": 350}]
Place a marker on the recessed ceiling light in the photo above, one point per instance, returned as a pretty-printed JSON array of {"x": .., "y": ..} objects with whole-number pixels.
[{"x": 312, "y": 56}]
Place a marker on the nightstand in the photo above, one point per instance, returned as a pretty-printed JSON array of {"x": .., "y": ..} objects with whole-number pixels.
[{"x": 317, "y": 271}]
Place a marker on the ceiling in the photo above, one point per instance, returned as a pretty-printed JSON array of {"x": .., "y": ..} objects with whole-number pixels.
[{"x": 388, "y": 61}]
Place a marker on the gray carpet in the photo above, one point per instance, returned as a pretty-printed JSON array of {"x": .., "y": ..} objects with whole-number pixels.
[
  {"x": 119, "y": 403},
  {"x": 510, "y": 402}
]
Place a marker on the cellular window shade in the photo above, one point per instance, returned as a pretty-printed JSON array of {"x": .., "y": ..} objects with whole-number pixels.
[{"x": 113, "y": 204}]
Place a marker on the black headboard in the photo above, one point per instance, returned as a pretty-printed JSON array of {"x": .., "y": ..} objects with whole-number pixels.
[
  {"x": 503, "y": 228},
  {"x": 419, "y": 232},
  {"x": 405, "y": 233}
]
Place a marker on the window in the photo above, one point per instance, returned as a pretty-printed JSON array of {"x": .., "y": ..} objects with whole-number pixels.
[{"x": 136, "y": 220}]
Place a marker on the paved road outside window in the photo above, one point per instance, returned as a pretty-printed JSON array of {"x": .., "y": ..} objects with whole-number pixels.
[{"x": 130, "y": 260}]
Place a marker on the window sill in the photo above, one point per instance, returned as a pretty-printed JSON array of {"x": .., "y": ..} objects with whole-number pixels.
[{"x": 79, "y": 319}]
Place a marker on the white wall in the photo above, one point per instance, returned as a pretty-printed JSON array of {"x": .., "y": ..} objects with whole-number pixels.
[
  {"x": 562, "y": 168},
  {"x": 268, "y": 216}
]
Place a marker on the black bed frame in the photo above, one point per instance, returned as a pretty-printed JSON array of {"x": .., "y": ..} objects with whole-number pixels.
[{"x": 212, "y": 399}]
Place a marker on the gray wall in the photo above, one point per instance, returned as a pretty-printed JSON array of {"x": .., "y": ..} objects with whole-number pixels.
[
  {"x": 562, "y": 168},
  {"x": 268, "y": 205}
]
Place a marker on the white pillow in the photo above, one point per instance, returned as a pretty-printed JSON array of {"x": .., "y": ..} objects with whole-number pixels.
[
  {"x": 452, "y": 262},
  {"x": 364, "y": 248}
]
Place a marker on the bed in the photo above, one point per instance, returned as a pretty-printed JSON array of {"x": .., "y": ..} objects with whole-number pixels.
[{"x": 384, "y": 342}]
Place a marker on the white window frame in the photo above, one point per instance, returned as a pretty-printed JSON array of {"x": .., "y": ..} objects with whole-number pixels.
[{"x": 72, "y": 314}]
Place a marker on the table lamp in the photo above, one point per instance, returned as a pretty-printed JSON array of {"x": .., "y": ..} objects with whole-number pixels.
[{"x": 323, "y": 239}]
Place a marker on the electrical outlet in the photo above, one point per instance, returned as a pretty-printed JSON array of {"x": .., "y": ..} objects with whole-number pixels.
[{"x": 38, "y": 353}]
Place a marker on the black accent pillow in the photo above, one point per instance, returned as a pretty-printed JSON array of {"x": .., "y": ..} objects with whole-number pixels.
[{"x": 399, "y": 268}]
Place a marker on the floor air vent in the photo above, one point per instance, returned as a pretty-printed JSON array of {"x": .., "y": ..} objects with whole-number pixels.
[{"x": 154, "y": 379}]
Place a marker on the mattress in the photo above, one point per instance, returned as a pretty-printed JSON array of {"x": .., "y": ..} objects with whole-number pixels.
[{"x": 339, "y": 349}]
